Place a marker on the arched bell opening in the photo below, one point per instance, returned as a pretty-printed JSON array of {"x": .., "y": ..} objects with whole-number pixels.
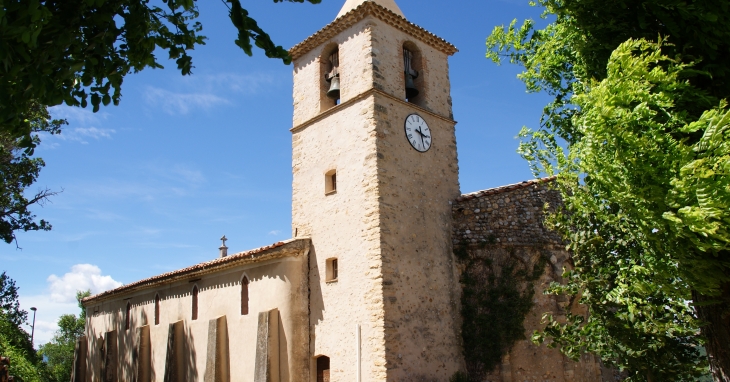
[
  {"x": 413, "y": 74},
  {"x": 330, "y": 84}
]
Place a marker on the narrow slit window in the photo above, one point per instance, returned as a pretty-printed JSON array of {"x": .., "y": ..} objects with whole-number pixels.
[
  {"x": 330, "y": 182},
  {"x": 127, "y": 317},
  {"x": 244, "y": 296},
  {"x": 157, "y": 309},
  {"x": 323, "y": 369},
  {"x": 195, "y": 303},
  {"x": 332, "y": 270}
]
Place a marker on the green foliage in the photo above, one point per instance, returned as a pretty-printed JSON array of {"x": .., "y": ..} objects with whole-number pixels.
[
  {"x": 637, "y": 132},
  {"x": 23, "y": 364},
  {"x": 495, "y": 302},
  {"x": 18, "y": 171},
  {"x": 79, "y": 51},
  {"x": 635, "y": 267},
  {"x": 9, "y": 305},
  {"x": 15, "y": 343},
  {"x": 459, "y": 376},
  {"x": 59, "y": 352}
]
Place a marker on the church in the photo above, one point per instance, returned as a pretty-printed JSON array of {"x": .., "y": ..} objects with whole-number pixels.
[{"x": 371, "y": 286}]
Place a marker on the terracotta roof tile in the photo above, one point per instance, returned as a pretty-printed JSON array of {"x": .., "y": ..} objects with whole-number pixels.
[
  {"x": 501, "y": 189},
  {"x": 258, "y": 254},
  {"x": 370, "y": 8}
]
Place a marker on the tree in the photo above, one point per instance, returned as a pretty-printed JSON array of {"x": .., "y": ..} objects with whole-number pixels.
[
  {"x": 18, "y": 171},
  {"x": 638, "y": 134},
  {"x": 59, "y": 352},
  {"x": 9, "y": 305},
  {"x": 79, "y": 51},
  {"x": 15, "y": 342}
]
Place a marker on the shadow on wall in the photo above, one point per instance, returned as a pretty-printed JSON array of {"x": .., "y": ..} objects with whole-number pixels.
[
  {"x": 283, "y": 351},
  {"x": 316, "y": 301},
  {"x": 181, "y": 357}
]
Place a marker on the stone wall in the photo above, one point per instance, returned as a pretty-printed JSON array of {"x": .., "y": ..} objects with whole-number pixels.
[
  {"x": 503, "y": 227},
  {"x": 388, "y": 222}
]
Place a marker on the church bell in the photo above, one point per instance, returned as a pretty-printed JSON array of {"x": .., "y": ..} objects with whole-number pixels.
[
  {"x": 334, "y": 92},
  {"x": 411, "y": 90},
  {"x": 410, "y": 74},
  {"x": 333, "y": 77}
]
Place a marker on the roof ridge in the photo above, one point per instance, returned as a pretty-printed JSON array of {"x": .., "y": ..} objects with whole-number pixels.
[
  {"x": 361, "y": 11},
  {"x": 505, "y": 188},
  {"x": 195, "y": 269}
]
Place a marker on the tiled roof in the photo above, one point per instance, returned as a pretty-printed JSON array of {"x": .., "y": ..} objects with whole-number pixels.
[
  {"x": 370, "y": 8},
  {"x": 255, "y": 255},
  {"x": 501, "y": 189}
]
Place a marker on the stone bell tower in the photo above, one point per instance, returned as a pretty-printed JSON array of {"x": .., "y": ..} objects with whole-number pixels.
[{"x": 375, "y": 169}]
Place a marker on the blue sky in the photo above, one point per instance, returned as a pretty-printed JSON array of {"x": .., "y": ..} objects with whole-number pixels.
[{"x": 151, "y": 185}]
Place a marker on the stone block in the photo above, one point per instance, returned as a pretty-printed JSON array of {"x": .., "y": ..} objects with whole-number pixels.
[
  {"x": 217, "y": 366},
  {"x": 111, "y": 357},
  {"x": 78, "y": 373},
  {"x": 175, "y": 358},
  {"x": 144, "y": 355},
  {"x": 267, "y": 348}
]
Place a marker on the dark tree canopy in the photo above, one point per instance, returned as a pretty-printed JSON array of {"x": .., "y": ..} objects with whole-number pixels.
[{"x": 78, "y": 52}]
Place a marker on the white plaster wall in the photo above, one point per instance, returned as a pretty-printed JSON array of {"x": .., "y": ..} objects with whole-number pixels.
[{"x": 274, "y": 284}]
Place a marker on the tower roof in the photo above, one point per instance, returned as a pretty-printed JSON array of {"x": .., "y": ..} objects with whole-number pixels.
[
  {"x": 356, "y": 10},
  {"x": 388, "y": 4}
]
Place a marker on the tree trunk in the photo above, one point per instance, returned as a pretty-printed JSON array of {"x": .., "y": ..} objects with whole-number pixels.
[{"x": 716, "y": 331}]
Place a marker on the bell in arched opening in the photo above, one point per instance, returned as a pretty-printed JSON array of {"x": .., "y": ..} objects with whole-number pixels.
[
  {"x": 410, "y": 74},
  {"x": 333, "y": 77}
]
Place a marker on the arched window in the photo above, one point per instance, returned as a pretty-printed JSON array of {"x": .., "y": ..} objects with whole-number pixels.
[
  {"x": 413, "y": 73},
  {"x": 195, "y": 302},
  {"x": 330, "y": 77},
  {"x": 244, "y": 296},
  {"x": 127, "y": 317},
  {"x": 157, "y": 309}
]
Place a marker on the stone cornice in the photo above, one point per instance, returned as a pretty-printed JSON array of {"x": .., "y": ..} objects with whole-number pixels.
[
  {"x": 352, "y": 101},
  {"x": 283, "y": 249},
  {"x": 366, "y": 9}
]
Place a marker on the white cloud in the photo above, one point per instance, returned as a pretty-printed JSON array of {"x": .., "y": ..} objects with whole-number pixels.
[
  {"x": 206, "y": 91},
  {"x": 61, "y": 298},
  {"x": 82, "y": 134},
  {"x": 82, "y": 277},
  {"x": 189, "y": 175},
  {"x": 247, "y": 84},
  {"x": 275, "y": 232},
  {"x": 77, "y": 115},
  {"x": 182, "y": 103}
]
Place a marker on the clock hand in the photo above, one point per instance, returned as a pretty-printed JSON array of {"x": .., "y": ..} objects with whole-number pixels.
[{"x": 421, "y": 134}]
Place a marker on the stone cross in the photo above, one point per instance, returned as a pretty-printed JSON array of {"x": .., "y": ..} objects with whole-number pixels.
[{"x": 223, "y": 248}]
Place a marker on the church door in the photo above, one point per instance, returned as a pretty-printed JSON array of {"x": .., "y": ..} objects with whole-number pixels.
[{"x": 323, "y": 369}]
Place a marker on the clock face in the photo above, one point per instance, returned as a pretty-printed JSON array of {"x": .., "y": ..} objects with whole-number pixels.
[{"x": 418, "y": 133}]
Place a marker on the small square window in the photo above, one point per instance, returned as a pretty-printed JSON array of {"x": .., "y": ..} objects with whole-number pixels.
[
  {"x": 330, "y": 182},
  {"x": 332, "y": 270}
]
